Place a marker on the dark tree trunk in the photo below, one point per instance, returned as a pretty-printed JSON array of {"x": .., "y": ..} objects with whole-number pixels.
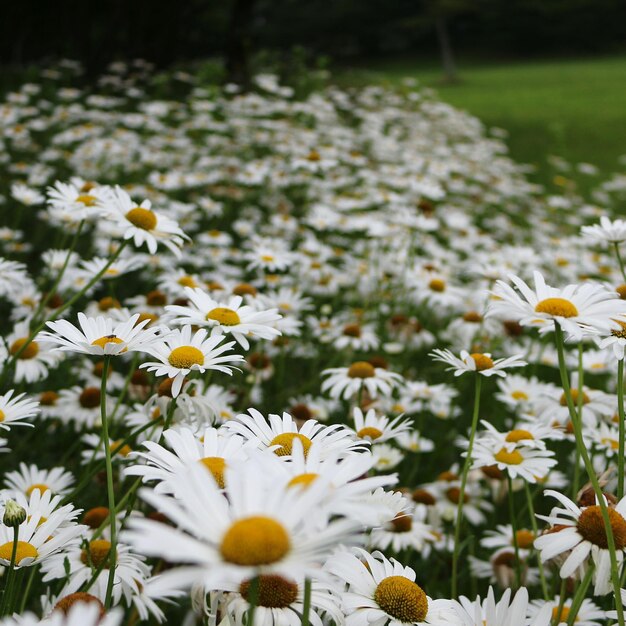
[
  {"x": 238, "y": 43},
  {"x": 445, "y": 47}
]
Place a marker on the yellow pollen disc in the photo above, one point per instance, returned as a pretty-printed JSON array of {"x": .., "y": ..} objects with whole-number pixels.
[
  {"x": 454, "y": 495},
  {"x": 574, "y": 392},
  {"x": 187, "y": 281},
  {"x": 557, "y": 307},
  {"x": 402, "y": 523},
  {"x": 519, "y": 395},
  {"x": 361, "y": 369},
  {"x": 2, "y": 415},
  {"x": 24, "y": 550},
  {"x": 621, "y": 333},
  {"x": 216, "y": 465},
  {"x": 302, "y": 480},
  {"x": 125, "y": 450},
  {"x": 509, "y": 458},
  {"x": 98, "y": 553},
  {"x": 285, "y": 441},
  {"x": 254, "y": 541},
  {"x": 482, "y": 361},
  {"x": 370, "y": 432},
  {"x": 268, "y": 258},
  {"x": 473, "y": 317},
  {"x": 142, "y": 218},
  {"x": 273, "y": 591},
  {"x": 562, "y": 616},
  {"x": 436, "y": 284},
  {"x": 42, "y": 488},
  {"x": 224, "y": 316},
  {"x": 184, "y": 357},
  {"x": 612, "y": 443},
  {"x": 525, "y": 539},
  {"x": 402, "y": 599},
  {"x": 86, "y": 199},
  {"x": 103, "y": 341},
  {"x": 518, "y": 435},
  {"x": 591, "y": 526},
  {"x": 30, "y": 352}
]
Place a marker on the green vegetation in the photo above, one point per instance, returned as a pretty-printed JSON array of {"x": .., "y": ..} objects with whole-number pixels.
[{"x": 572, "y": 108}]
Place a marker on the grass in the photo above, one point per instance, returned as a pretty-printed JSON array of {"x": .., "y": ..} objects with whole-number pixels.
[{"x": 573, "y": 108}]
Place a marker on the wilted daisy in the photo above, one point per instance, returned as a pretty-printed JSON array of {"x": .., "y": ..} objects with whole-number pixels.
[
  {"x": 578, "y": 309},
  {"x": 384, "y": 592},
  {"x": 345, "y": 382},
  {"x": 477, "y": 362},
  {"x": 180, "y": 354},
  {"x": 102, "y": 336},
  {"x": 241, "y": 321}
]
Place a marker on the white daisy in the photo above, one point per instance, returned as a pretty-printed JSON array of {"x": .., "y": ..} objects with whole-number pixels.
[
  {"x": 372, "y": 427},
  {"x": 608, "y": 231},
  {"x": 479, "y": 362},
  {"x": 14, "y": 410},
  {"x": 30, "y": 477},
  {"x": 345, "y": 382}
]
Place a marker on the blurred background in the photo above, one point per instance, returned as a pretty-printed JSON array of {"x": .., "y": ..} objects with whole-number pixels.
[{"x": 551, "y": 73}]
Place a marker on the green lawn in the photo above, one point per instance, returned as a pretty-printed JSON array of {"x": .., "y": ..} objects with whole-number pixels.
[{"x": 575, "y": 108}]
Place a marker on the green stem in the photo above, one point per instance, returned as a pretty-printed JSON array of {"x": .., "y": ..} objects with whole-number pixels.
[
  {"x": 533, "y": 524},
  {"x": 7, "y": 603},
  {"x": 306, "y": 605},
  {"x": 253, "y": 599},
  {"x": 581, "y": 592},
  {"x": 580, "y": 444},
  {"x": 110, "y": 490},
  {"x": 122, "y": 395},
  {"x": 29, "y": 584},
  {"x": 556, "y": 617},
  {"x": 619, "y": 259},
  {"x": 466, "y": 467},
  {"x": 620, "y": 412},
  {"x": 518, "y": 573}
]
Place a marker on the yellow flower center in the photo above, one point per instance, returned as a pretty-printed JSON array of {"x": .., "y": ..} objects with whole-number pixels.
[
  {"x": 254, "y": 541},
  {"x": 187, "y": 281},
  {"x": 473, "y": 317},
  {"x": 30, "y": 352},
  {"x": 124, "y": 450},
  {"x": 559, "y": 618},
  {"x": 24, "y": 550},
  {"x": 402, "y": 599},
  {"x": 591, "y": 526},
  {"x": 518, "y": 435},
  {"x": 436, "y": 284},
  {"x": 98, "y": 553},
  {"x": 67, "y": 602},
  {"x": 519, "y": 395},
  {"x": 302, "y": 480},
  {"x": 361, "y": 369},
  {"x": 525, "y": 539},
  {"x": 142, "y": 218},
  {"x": 184, "y": 357},
  {"x": 509, "y": 458},
  {"x": 42, "y": 488},
  {"x": 86, "y": 199},
  {"x": 224, "y": 316},
  {"x": 370, "y": 432},
  {"x": 103, "y": 341},
  {"x": 268, "y": 258},
  {"x": 272, "y": 591},
  {"x": 285, "y": 441},
  {"x": 2, "y": 415},
  {"x": 574, "y": 392},
  {"x": 216, "y": 465},
  {"x": 89, "y": 398},
  {"x": 557, "y": 307},
  {"x": 402, "y": 523},
  {"x": 611, "y": 443},
  {"x": 621, "y": 333},
  {"x": 482, "y": 361}
]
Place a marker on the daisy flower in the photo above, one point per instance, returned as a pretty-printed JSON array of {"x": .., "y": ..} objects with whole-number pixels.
[
  {"x": 102, "y": 336},
  {"x": 225, "y": 317},
  {"x": 383, "y": 592},
  {"x": 406, "y": 530},
  {"x": 179, "y": 354},
  {"x": 30, "y": 477},
  {"x": 378, "y": 428},
  {"x": 345, "y": 382},
  {"x": 607, "y": 231},
  {"x": 581, "y": 532},
  {"x": 614, "y": 340},
  {"x": 578, "y": 309},
  {"x": 482, "y": 363},
  {"x": 386, "y": 457},
  {"x": 252, "y": 527},
  {"x": 14, "y": 410},
  {"x": 143, "y": 225},
  {"x": 12, "y": 275},
  {"x": 68, "y": 203},
  {"x": 78, "y": 612},
  {"x": 278, "y": 433},
  {"x": 589, "y": 614}
]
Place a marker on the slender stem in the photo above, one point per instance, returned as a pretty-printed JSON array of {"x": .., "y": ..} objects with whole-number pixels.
[
  {"x": 110, "y": 490},
  {"x": 29, "y": 584},
  {"x": 580, "y": 444},
  {"x": 466, "y": 467},
  {"x": 556, "y": 617},
  {"x": 620, "y": 412},
  {"x": 306, "y": 605},
  {"x": 253, "y": 599},
  {"x": 581, "y": 592},
  {"x": 619, "y": 259},
  {"x": 533, "y": 523},
  {"x": 118, "y": 507},
  {"x": 122, "y": 394},
  {"x": 8, "y": 589},
  {"x": 518, "y": 573}
]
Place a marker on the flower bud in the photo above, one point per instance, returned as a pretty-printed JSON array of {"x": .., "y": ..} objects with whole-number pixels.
[{"x": 14, "y": 514}]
